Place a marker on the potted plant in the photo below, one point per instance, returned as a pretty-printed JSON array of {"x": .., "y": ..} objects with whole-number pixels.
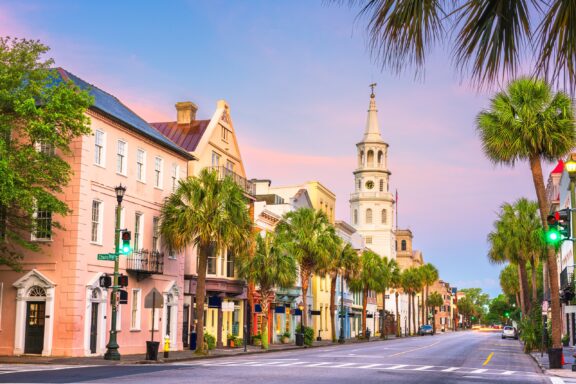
[
  {"x": 285, "y": 338},
  {"x": 231, "y": 340},
  {"x": 565, "y": 340}
]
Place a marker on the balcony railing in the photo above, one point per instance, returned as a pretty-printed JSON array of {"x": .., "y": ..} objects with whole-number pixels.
[
  {"x": 146, "y": 262},
  {"x": 246, "y": 185},
  {"x": 567, "y": 277}
]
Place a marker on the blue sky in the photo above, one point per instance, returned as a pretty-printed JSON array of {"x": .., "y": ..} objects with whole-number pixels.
[{"x": 296, "y": 76}]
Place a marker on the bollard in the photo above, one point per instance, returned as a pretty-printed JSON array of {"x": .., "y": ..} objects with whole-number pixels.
[{"x": 166, "y": 346}]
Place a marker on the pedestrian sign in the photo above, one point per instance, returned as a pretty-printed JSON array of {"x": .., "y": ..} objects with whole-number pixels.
[{"x": 107, "y": 256}]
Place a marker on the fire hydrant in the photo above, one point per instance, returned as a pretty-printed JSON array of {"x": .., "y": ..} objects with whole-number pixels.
[{"x": 166, "y": 346}]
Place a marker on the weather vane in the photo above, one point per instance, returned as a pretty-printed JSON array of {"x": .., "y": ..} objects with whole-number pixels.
[{"x": 372, "y": 86}]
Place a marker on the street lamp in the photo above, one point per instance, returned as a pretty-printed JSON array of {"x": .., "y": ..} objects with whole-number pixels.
[
  {"x": 112, "y": 347},
  {"x": 341, "y": 338}
]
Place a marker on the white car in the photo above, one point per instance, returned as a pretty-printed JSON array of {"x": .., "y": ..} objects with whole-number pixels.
[{"x": 510, "y": 332}]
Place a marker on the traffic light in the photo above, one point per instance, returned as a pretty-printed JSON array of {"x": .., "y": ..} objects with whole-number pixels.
[
  {"x": 506, "y": 314},
  {"x": 552, "y": 234},
  {"x": 105, "y": 281},
  {"x": 125, "y": 247},
  {"x": 123, "y": 280},
  {"x": 563, "y": 219}
]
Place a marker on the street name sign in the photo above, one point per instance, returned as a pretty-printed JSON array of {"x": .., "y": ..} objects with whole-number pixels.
[{"x": 107, "y": 256}]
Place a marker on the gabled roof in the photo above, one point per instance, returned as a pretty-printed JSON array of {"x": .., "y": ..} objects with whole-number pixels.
[
  {"x": 113, "y": 108},
  {"x": 186, "y": 136},
  {"x": 559, "y": 167}
]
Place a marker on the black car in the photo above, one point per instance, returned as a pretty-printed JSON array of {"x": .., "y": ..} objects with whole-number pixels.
[{"x": 426, "y": 329}]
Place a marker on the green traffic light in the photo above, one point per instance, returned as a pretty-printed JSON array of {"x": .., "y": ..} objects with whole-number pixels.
[
  {"x": 125, "y": 249},
  {"x": 552, "y": 236}
]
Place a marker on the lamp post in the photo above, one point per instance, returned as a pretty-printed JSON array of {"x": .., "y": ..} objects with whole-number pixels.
[
  {"x": 300, "y": 335},
  {"x": 112, "y": 347},
  {"x": 570, "y": 166},
  {"x": 341, "y": 338}
]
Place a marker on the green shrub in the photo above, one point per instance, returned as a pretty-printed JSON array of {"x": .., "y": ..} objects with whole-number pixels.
[
  {"x": 308, "y": 335},
  {"x": 210, "y": 341},
  {"x": 286, "y": 334},
  {"x": 530, "y": 330}
]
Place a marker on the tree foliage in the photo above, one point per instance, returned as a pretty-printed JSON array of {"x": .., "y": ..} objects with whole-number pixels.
[{"x": 40, "y": 116}]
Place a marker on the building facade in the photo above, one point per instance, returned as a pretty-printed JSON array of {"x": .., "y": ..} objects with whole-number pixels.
[{"x": 56, "y": 306}]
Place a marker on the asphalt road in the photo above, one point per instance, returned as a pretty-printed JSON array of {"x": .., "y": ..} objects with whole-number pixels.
[{"x": 462, "y": 357}]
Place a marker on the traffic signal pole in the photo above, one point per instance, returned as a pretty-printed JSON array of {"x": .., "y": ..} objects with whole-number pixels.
[{"x": 112, "y": 347}]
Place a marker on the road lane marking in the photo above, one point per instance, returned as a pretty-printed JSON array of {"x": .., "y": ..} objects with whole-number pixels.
[
  {"x": 479, "y": 371},
  {"x": 556, "y": 380},
  {"x": 488, "y": 358},
  {"x": 342, "y": 365},
  {"x": 451, "y": 369},
  {"x": 290, "y": 364},
  {"x": 317, "y": 364},
  {"x": 396, "y": 366},
  {"x": 508, "y": 372},
  {"x": 415, "y": 349},
  {"x": 369, "y": 366},
  {"x": 423, "y": 368}
]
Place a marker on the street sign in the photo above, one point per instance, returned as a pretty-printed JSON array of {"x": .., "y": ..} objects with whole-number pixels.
[
  {"x": 107, "y": 256},
  {"x": 154, "y": 299}
]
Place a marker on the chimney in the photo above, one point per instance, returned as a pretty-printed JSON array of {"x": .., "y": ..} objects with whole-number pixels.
[{"x": 186, "y": 112}]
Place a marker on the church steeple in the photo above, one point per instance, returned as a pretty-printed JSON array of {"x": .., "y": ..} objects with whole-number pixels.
[{"x": 372, "y": 131}]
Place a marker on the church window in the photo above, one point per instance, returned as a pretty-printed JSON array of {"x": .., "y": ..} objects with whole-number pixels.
[
  {"x": 368, "y": 216},
  {"x": 384, "y": 216},
  {"x": 370, "y": 158},
  {"x": 380, "y": 158},
  {"x": 403, "y": 245},
  {"x": 359, "y": 184},
  {"x": 361, "y": 158},
  {"x": 355, "y": 216},
  {"x": 381, "y": 185}
]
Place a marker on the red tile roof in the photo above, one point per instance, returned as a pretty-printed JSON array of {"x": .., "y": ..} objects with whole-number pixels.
[
  {"x": 186, "y": 136},
  {"x": 559, "y": 167}
]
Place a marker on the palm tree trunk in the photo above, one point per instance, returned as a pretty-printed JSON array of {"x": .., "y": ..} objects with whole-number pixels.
[
  {"x": 305, "y": 277},
  {"x": 383, "y": 331},
  {"x": 398, "y": 333},
  {"x": 201, "y": 296},
  {"x": 517, "y": 297},
  {"x": 523, "y": 281},
  {"x": 333, "y": 304},
  {"x": 409, "y": 315},
  {"x": 414, "y": 311},
  {"x": 534, "y": 264},
  {"x": 434, "y": 319},
  {"x": 264, "y": 305},
  {"x": 425, "y": 306},
  {"x": 538, "y": 178},
  {"x": 364, "y": 304}
]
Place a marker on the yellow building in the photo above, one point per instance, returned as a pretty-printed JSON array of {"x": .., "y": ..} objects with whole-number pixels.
[
  {"x": 213, "y": 142},
  {"x": 324, "y": 200}
]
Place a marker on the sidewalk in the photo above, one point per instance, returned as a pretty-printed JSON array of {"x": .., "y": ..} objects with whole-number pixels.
[
  {"x": 174, "y": 356},
  {"x": 566, "y": 371}
]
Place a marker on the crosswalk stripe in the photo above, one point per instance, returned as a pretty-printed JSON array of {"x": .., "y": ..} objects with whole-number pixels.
[
  {"x": 479, "y": 370},
  {"x": 369, "y": 366},
  {"x": 317, "y": 364},
  {"x": 343, "y": 365},
  {"x": 396, "y": 366},
  {"x": 451, "y": 369},
  {"x": 508, "y": 372},
  {"x": 423, "y": 368},
  {"x": 290, "y": 364}
]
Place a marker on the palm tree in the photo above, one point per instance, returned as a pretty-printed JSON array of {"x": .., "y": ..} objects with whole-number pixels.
[
  {"x": 310, "y": 238},
  {"x": 434, "y": 300},
  {"x": 418, "y": 287},
  {"x": 367, "y": 279},
  {"x": 211, "y": 214},
  {"x": 270, "y": 267},
  {"x": 410, "y": 284},
  {"x": 389, "y": 268},
  {"x": 344, "y": 263},
  {"x": 490, "y": 36},
  {"x": 429, "y": 277},
  {"x": 396, "y": 284},
  {"x": 509, "y": 282},
  {"x": 505, "y": 246},
  {"x": 530, "y": 122}
]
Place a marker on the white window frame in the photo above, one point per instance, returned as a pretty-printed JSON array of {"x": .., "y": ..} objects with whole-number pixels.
[
  {"x": 156, "y": 233},
  {"x": 215, "y": 156},
  {"x": 140, "y": 222},
  {"x": 141, "y": 167},
  {"x": 124, "y": 166},
  {"x": 102, "y": 162},
  {"x": 136, "y": 310},
  {"x": 175, "y": 176},
  {"x": 98, "y": 240},
  {"x": 158, "y": 172},
  {"x": 33, "y": 234}
]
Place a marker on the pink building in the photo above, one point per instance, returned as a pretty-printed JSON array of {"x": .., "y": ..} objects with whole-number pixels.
[{"x": 56, "y": 307}]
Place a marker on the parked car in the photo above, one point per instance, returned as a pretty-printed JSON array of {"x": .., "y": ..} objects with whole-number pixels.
[
  {"x": 426, "y": 329},
  {"x": 509, "y": 332}
]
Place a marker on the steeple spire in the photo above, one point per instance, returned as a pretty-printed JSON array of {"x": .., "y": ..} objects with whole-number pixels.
[{"x": 372, "y": 132}]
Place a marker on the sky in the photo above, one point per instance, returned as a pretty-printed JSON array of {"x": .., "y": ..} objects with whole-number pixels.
[{"x": 296, "y": 75}]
